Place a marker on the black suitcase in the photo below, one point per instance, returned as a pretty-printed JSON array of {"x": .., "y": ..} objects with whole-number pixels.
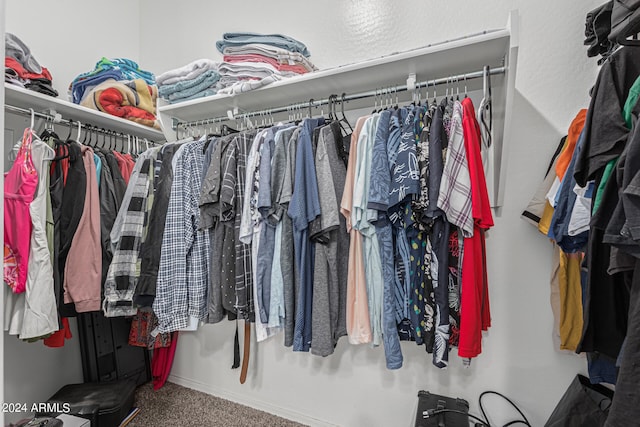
[
  {"x": 436, "y": 406},
  {"x": 113, "y": 399},
  {"x": 105, "y": 350}
]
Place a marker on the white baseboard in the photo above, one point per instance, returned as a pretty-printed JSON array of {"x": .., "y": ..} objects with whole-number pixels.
[{"x": 249, "y": 401}]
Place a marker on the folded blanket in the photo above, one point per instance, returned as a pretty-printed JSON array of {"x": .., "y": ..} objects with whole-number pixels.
[
  {"x": 255, "y": 58},
  {"x": 133, "y": 100},
  {"x": 203, "y": 81},
  {"x": 16, "y": 74},
  {"x": 247, "y": 85},
  {"x": 130, "y": 70},
  {"x": 187, "y": 72},
  {"x": 80, "y": 87},
  {"x": 278, "y": 40},
  {"x": 251, "y": 70},
  {"x": 16, "y": 49},
  {"x": 41, "y": 85},
  {"x": 283, "y": 56},
  {"x": 206, "y": 92},
  {"x": 24, "y": 73}
]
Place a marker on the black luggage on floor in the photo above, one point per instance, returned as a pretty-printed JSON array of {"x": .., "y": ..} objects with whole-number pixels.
[
  {"x": 439, "y": 410},
  {"x": 113, "y": 399}
]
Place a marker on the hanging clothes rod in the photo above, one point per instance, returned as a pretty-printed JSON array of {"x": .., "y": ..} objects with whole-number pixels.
[
  {"x": 57, "y": 119},
  {"x": 384, "y": 91}
]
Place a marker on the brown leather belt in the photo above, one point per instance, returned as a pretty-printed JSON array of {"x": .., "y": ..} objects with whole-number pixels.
[{"x": 245, "y": 353}]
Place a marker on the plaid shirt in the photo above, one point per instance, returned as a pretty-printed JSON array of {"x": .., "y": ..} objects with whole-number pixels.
[
  {"x": 455, "y": 188},
  {"x": 183, "y": 274},
  {"x": 244, "y": 274},
  {"x": 124, "y": 270}
]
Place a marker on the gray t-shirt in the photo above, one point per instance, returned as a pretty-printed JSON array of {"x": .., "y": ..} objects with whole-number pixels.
[
  {"x": 332, "y": 247},
  {"x": 289, "y": 276}
]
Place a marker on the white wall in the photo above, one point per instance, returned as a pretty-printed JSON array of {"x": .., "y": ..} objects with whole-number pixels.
[
  {"x": 33, "y": 372},
  {"x": 69, "y": 36},
  {"x": 352, "y": 387}
]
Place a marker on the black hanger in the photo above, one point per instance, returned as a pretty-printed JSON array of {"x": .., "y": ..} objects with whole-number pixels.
[
  {"x": 226, "y": 130},
  {"x": 486, "y": 107},
  {"x": 343, "y": 119},
  {"x": 68, "y": 138},
  {"x": 87, "y": 129},
  {"x": 331, "y": 105}
]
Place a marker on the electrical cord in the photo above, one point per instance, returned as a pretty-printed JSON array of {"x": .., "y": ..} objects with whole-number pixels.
[
  {"x": 481, "y": 422},
  {"x": 524, "y": 420},
  {"x": 433, "y": 412}
]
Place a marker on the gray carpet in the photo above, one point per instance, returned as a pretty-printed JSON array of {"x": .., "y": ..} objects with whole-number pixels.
[{"x": 177, "y": 406}]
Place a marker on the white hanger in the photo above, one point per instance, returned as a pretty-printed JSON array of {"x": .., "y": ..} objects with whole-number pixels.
[
  {"x": 79, "y": 131},
  {"x": 33, "y": 118}
]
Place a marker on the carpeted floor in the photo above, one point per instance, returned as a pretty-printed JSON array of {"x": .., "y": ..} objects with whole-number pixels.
[{"x": 177, "y": 406}]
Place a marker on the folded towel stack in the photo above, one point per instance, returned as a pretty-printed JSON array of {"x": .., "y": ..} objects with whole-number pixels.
[
  {"x": 118, "y": 87},
  {"x": 22, "y": 69},
  {"x": 253, "y": 60},
  {"x": 194, "y": 80}
]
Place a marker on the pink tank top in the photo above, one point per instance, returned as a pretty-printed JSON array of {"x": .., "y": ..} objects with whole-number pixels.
[{"x": 19, "y": 189}]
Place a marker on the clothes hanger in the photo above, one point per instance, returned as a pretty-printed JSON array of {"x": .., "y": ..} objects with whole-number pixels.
[
  {"x": 49, "y": 131},
  {"x": 465, "y": 86},
  {"x": 375, "y": 102},
  {"x": 344, "y": 117},
  {"x": 86, "y": 133},
  {"x": 79, "y": 132},
  {"x": 485, "y": 110}
]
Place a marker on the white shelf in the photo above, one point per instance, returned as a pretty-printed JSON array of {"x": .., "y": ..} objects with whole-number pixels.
[
  {"x": 497, "y": 48},
  {"x": 440, "y": 60},
  {"x": 24, "y": 98}
]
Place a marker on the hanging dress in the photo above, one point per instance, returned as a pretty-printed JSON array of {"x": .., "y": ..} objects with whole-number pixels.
[
  {"x": 41, "y": 312},
  {"x": 19, "y": 189}
]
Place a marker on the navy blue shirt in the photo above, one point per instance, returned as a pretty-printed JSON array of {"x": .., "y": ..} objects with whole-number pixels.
[{"x": 304, "y": 207}]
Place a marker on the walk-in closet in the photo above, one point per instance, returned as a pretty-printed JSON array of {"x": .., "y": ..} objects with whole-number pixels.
[{"x": 354, "y": 213}]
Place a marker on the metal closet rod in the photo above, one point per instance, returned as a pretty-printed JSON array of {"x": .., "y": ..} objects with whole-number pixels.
[
  {"x": 57, "y": 119},
  {"x": 453, "y": 80}
]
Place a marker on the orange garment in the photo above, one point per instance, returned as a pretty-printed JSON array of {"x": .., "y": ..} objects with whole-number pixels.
[
  {"x": 572, "y": 139},
  {"x": 358, "y": 323},
  {"x": 57, "y": 338}
]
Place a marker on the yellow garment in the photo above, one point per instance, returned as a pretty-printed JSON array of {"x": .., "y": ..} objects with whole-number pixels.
[
  {"x": 545, "y": 220},
  {"x": 554, "y": 295},
  {"x": 571, "y": 320}
]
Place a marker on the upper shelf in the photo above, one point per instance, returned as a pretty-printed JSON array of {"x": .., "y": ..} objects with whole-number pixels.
[
  {"x": 459, "y": 56},
  {"x": 24, "y": 98}
]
